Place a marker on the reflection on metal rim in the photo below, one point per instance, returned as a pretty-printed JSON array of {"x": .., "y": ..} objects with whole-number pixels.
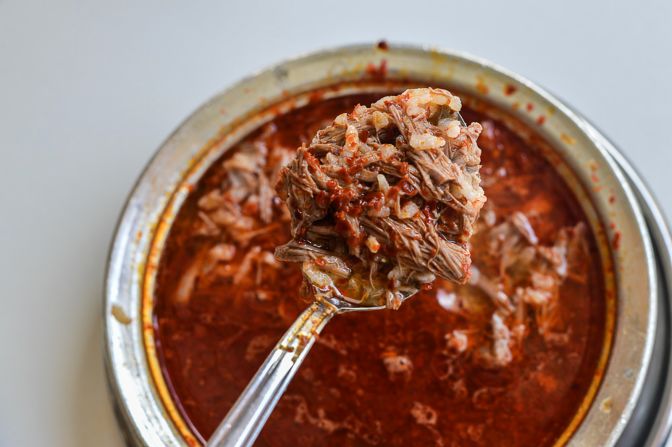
[{"x": 653, "y": 427}]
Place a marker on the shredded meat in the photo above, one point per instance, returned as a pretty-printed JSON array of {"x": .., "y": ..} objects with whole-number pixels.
[
  {"x": 423, "y": 414},
  {"x": 521, "y": 279},
  {"x": 397, "y": 365},
  {"x": 385, "y": 198},
  {"x": 368, "y": 433},
  {"x": 246, "y": 196},
  {"x": 233, "y": 215}
]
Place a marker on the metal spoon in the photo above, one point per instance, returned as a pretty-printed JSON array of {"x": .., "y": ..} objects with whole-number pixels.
[{"x": 247, "y": 417}]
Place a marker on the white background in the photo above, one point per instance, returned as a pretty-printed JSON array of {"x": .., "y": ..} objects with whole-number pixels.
[{"x": 88, "y": 91}]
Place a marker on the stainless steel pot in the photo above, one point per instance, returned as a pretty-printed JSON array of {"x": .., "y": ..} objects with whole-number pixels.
[{"x": 632, "y": 387}]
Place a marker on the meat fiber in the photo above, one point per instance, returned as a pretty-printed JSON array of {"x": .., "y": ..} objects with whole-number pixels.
[{"x": 385, "y": 198}]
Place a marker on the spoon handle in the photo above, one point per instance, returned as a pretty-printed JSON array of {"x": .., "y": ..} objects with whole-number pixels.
[{"x": 242, "y": 424}]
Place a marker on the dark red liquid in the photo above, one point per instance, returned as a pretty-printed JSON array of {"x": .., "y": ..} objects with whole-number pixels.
[{"x": 343, "y": 395}]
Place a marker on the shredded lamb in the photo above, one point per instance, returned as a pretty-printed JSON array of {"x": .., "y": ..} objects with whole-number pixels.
[{"x": 384, "y": 200}]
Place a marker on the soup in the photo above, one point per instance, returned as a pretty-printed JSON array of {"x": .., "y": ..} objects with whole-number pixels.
[{"x": 451, "y": 367}]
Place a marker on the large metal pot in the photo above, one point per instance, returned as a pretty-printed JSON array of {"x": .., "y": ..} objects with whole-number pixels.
[{"x": 628, "y": 401}]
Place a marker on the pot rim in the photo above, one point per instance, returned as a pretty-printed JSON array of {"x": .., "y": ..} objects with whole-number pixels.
[
  {"x": 657, "y": 415},
  {"x": 125, "y": 261}
]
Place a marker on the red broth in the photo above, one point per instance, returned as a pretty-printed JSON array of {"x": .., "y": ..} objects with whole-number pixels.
[{"x": 211, "y": 345}]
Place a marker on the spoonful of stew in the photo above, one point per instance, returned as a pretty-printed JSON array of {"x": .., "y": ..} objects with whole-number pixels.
[{"x": 383, "y": 201}]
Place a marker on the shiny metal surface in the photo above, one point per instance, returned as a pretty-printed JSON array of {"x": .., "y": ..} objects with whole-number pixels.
[
  {"x": 247, "y": 417},
  {"x": 581, "y": 154},
  {"x": 652, "y": 423}
]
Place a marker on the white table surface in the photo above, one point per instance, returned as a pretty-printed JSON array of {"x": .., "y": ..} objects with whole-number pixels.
[{"x": 88, "y": 92}]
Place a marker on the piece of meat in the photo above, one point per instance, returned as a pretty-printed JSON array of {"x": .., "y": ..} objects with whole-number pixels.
[
  {"x": 521, "y": 279},
  {"x": 499, "y": 353},
  {"x": 246, "y": 194},
  {"x": 397, "y": 365},
  {"x": 424, "y": 414},
  {"x": 393, "y": 190}
]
